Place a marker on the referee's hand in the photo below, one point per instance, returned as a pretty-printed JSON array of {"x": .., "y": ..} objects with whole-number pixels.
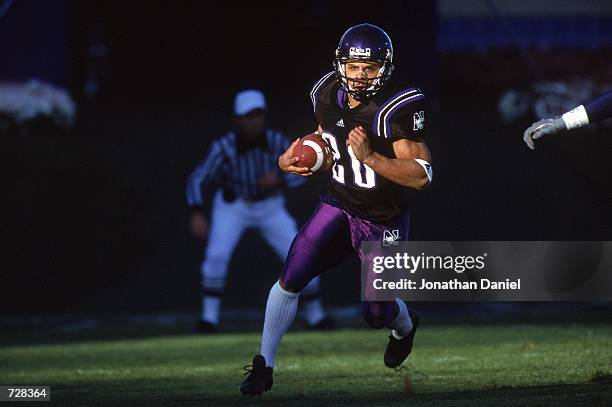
[
  {"x": 199, "y": 225},
  {"x": 286, "y": 161}
]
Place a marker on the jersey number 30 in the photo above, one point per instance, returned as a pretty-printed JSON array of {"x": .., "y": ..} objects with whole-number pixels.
[{"x": 360, "y": 171}]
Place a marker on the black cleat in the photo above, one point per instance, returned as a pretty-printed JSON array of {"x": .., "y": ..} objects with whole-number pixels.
[
  {"x": 260, "y": 377},
  {"x": 326, "y": 324},
  {"x": 204, "y": 327},
  {"x": 398, "y": 349}
]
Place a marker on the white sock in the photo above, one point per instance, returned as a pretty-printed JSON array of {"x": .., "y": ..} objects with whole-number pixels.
[
  {"x": 402, "y": 324},
  {"x": 313, "y": 310},
  {"x": 211, "y": 306},
  {"x": 280, "y": 313}
]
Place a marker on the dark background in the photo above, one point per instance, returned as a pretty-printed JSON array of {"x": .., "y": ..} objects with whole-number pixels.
[{"x": 94, "y": 218}]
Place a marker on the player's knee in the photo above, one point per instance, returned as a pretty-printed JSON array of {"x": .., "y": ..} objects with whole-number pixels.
[{"x": 293, "y": 279}]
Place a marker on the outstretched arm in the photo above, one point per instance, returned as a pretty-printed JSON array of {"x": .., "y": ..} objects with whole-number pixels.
[{"x": 594, "y": 111}]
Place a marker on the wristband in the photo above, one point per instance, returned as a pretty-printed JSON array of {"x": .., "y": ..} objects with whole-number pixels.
[
  {"x": 426, "y": 166},
  {"x": 575, "y": 118}
]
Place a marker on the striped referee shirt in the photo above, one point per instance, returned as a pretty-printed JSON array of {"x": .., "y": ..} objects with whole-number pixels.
[{"x": 238, "y": 168}]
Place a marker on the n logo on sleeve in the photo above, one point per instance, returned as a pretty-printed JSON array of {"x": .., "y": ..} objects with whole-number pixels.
[{"x": 419, "y": 120}]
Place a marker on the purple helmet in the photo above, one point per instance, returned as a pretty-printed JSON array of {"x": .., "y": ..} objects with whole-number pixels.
[{"x": 365, "y": 42}]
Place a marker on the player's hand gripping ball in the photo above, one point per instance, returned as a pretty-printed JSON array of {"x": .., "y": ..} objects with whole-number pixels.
[{"x": 313, "y": 153}]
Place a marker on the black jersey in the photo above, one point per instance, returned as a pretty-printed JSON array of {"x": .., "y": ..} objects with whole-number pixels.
[{"x": 390, "y": 115}]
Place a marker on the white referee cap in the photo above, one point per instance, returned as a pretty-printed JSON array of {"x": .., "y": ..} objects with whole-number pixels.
[{"x": 249, "y": 100}]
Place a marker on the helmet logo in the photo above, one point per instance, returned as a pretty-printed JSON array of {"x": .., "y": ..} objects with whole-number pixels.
[{"x": 360, "y": 52}]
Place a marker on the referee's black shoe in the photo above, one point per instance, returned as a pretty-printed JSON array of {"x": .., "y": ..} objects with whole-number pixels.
[
  {"x": 259, "y": 379},
  {"x": 398, "y": 349}
]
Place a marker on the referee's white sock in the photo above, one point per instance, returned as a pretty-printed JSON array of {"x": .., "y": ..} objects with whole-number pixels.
[
  {"x": 402, "y": 324},
  {"x": 280, "y": 313},
  {"x": 211, "y": 306},
  {"x": 311, "y": 302},
  {"x": 313, "y": 310}
]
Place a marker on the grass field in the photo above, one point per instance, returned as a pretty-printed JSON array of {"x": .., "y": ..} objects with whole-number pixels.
[{"x": 452, "y": 365}]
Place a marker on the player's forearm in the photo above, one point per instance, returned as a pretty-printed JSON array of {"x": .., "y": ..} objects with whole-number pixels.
[{"x": 405, "y": 172}]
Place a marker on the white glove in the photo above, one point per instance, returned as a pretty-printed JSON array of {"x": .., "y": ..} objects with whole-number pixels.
[{"x": 542, "y": 127}]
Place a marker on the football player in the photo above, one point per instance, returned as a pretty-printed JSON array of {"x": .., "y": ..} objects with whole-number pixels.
[
  {"x": 594, "y": 111},
  {"x": 377, "y": 133}
]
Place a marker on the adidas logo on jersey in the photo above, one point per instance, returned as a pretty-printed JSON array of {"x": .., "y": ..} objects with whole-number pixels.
[{"x": 340, "y": 123}]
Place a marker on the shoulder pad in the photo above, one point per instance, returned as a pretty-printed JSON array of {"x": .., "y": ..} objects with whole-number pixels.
[
  {"x": 317, "y": 87},
  {"x": 382, "y": 119}
]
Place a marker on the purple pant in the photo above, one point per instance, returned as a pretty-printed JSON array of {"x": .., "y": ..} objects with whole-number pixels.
[{"x": 330, "y": 236}]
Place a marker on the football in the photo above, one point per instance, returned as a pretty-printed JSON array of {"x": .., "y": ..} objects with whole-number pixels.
[{"x": 314, "y": 153}]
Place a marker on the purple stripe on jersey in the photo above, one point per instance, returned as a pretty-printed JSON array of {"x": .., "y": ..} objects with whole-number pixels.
[
  {"x": 403, "y": 103},
  {"x": 315, "y": 89},
  {"x": 385, "y": 105},
  {"x": 341, "y": 96}
]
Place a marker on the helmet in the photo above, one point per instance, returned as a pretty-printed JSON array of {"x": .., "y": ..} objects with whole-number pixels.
[{"x": 365, "y": 42}]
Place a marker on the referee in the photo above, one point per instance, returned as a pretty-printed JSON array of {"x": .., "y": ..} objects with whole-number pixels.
[{"x": 243, "y": 164}]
